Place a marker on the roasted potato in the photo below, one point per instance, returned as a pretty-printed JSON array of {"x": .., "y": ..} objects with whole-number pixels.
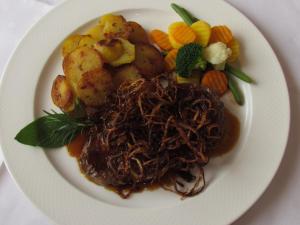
[
  {"x": 78, "y": 62},
  {"x": 137, "y": 33},
  {"x": 87, "y": 40},
  {"x": 96, "y": 32},
  {"x": 110, "y": 50},
  {"x": 117, "y": 54},
  {"x": 94, "y": 86},
  {"x": 125, "y": 73},
  {"x": 114, "y": 26},
  {"x": 148, "y": 60},
  {"x": 128, "y": 55},
  {"x": 62, "y": 94},
  {"x": 70, "y": 44}
]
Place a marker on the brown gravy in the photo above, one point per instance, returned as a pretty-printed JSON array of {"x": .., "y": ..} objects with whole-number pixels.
[
  {"x": 232, "y": 133},
  {"x": 76, "y": 146}
]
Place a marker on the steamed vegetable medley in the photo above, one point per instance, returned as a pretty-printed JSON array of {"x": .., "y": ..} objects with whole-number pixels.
[
  {"x": 115, "y": 51},
  {"x": 201, "y": 54}
]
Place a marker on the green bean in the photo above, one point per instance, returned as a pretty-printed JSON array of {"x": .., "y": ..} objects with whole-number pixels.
[
  {"x": 235, "y": 90},
  {"x": 193, "y": 18},
  {"x": 187, "y": 17},
  {"x": 238, "y": 73}
]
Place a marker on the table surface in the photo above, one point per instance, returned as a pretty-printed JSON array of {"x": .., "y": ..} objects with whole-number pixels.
[{"x": 278, "y": 20}]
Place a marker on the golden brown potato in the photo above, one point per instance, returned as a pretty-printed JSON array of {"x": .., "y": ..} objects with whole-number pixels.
[
  {"x": 62, "y": 94},
  {"x": 70, "y": 44},
  {"x": 110, "y": 50},
  {"x": 87, "y": 40},
  {"x": 137, "y": 33},
  {"x": 148, "y": 60},
  {"x": 128, "y": 55},
  {"x": 94, "y": 86},
  {"x": 117, "y": 54},
  {"x": 96, "y": 32},
  {"x": 78, "y": 62},
  {"x": 125, "y": 73},
  {"x": 114, "y": 26}
]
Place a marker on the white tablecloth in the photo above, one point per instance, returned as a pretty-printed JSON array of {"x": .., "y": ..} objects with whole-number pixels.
[{"x": 278, "y": 20}]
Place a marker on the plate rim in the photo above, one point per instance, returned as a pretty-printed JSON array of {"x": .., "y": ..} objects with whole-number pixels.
[{"x": 62, "y": 4}]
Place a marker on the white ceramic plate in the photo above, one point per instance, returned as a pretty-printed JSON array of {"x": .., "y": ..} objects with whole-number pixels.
[{"x": 52, "y": 181}]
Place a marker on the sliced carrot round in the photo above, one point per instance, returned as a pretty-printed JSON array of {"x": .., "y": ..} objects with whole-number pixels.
[
  {"x": 161, "y": 39},
  {"x": 216, "y": 81},
  {"x": 182, "y": 33},
  {"x": 170, "y": 60},
  {"x": 221, "y": 33},
  {"x": 235, "y": 50}
]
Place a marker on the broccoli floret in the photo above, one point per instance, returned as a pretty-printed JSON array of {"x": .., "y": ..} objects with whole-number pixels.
[
  {"x": 202, "y": 63},
  {"x": 190, "y": 57}
]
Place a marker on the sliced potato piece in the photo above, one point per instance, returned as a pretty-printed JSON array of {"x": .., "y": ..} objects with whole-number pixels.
[
  {"x": 128, "y": 55},
  {"x": 78, "y": 62},
  {"x": 110, "y": 50},
  {"x": 94, "y": 86},
  {"x": 118, "y": 52},
  {"x": 114, "y": 26},
  {"x": 62, "y": 94},
  {"x": 87, "y": 40},
  {"x": 124, "y": 74},
  {"x": 148, "y": 60},
  {"x": 96, "y": 32},
  {"x": 137, "y": 33},
  {"x": 70, "y": 44}
]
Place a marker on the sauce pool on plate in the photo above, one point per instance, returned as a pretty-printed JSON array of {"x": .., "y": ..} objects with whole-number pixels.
[
  {"x": 231, "y": 135},
  {"x": 76, "y": 146}
]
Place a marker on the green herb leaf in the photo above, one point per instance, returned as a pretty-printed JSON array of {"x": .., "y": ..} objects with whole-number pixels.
[{"x": 51, "y": 131}]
